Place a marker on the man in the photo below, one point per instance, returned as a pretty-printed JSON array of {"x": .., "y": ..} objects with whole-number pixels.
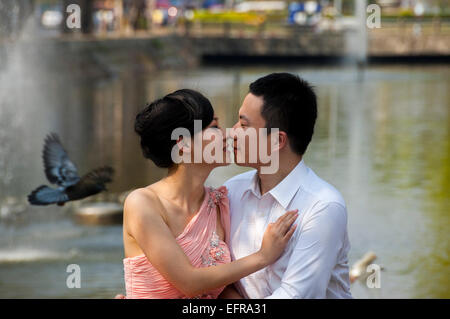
[{"x": 314, "y": 264}]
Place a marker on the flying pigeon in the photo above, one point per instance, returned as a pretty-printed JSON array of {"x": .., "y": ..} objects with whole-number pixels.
[{"x": 60, "y": 170}]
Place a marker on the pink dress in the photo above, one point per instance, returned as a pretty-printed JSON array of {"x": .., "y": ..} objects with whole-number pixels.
[{"x": 200, "y": 243}]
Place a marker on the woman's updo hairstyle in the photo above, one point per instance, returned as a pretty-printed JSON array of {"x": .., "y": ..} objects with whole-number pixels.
[{"x": 156, "y": 122}]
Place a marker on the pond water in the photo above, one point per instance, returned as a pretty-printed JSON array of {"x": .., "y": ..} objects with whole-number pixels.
[{"x": 383, "y": 141}]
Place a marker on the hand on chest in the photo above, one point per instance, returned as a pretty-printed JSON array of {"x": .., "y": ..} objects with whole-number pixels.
[{"x": 258, "y": 221}]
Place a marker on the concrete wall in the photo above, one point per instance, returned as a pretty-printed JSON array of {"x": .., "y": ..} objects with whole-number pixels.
[{"x": 100, "y": 56}]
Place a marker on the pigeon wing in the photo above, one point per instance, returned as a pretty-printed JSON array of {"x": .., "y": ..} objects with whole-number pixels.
[
  {"x": 100, "y": 175},
  {"x": 59, "y": 169},
  {"x": 44, "y": 195}
]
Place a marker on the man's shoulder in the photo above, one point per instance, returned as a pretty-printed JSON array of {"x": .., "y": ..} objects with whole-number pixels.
[
  {"x": 326, "y": 204},
  {"x": 322, "y": 191}
]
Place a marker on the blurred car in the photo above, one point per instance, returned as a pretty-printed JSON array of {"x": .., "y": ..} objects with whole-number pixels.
[
  {"x": 167, "y": 12},
  {"x": 304, "y": 13},
  {"x": 50, "y": 16},
  {"x": 213, "y": 5}
]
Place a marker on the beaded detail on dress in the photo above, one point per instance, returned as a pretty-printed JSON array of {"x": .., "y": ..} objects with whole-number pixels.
[
  {"x": 214, "y": 252},
  {"x": 216, "y": 196}
]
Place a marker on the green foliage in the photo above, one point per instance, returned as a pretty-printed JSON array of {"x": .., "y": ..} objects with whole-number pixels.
[
  {"x": 229, "y": 17},
  {"x": 406, "y": 13}
]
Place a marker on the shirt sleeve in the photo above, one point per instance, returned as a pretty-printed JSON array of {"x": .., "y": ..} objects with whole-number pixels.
[{"x": 315, "y": 254}]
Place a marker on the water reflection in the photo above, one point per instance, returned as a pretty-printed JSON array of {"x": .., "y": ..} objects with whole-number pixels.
[{"x": 383, "y": 142}]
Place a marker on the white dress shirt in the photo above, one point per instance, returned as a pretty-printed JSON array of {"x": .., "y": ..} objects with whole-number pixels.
[{"x": 314, "y": 263}]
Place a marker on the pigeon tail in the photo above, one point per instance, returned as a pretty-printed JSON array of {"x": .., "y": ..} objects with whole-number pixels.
[{"x": 44, "y": 195}]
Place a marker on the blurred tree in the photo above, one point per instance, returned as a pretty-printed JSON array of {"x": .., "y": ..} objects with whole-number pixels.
[
  {"x": 13, "y": 16},
  {"x": 135, "y": 13}
]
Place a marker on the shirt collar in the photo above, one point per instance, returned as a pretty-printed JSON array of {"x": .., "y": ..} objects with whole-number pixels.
[
  {"x": 285, "y": 190},
  {"x": 253, "y": 186}
]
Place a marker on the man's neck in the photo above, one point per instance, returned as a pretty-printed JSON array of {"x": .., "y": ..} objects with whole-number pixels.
[{"x": 269, "y": 181}]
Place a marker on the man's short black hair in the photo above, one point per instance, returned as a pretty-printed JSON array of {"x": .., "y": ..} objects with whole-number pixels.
[{"x": 290, "y": 105}]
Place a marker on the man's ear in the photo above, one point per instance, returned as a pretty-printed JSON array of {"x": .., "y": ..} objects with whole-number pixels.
[
  {"x": 283, "y": 139},
  {"x": 279, "y": 141}
]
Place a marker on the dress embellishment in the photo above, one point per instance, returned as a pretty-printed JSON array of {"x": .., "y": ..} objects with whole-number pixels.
[
  {"x": 214, "y": 252},
  {"x": 216, "y": 195}
]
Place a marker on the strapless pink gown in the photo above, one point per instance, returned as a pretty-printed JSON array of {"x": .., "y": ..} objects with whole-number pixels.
[{"x": 200, "y": 243}]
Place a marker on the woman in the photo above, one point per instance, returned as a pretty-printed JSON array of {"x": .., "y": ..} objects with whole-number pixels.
[{"x": 176, "y": 228}]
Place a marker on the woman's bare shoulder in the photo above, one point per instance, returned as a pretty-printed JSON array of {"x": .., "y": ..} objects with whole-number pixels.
[{"x": 142, "y": 200}]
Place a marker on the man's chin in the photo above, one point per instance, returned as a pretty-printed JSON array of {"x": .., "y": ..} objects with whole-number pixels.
[{"x": 244, "y": 164}]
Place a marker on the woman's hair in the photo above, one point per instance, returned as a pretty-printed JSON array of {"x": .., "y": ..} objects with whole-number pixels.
[{"x": 156, "y": 122}]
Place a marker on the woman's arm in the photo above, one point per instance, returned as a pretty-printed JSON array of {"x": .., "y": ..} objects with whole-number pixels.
[{"x": 144, "y": 222}]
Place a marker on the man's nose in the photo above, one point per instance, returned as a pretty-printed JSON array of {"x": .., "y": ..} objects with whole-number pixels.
[{"x": 228, "y": 132}]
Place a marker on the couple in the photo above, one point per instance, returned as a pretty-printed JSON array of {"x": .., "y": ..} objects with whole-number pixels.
[{"x": 279, "y": 235}]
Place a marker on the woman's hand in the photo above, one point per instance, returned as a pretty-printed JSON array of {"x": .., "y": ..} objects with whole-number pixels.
[{"x": 277, "y": 236}]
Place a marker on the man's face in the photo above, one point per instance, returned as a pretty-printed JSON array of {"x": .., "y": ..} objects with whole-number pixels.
[{"x": 247, "y": 147}]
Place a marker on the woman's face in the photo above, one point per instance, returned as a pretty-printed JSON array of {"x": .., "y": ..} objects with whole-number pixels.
[{"x": 214, "y": 145}]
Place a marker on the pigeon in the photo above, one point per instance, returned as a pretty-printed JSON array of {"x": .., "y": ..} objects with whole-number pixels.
[{"x": 60, "y": 170}]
